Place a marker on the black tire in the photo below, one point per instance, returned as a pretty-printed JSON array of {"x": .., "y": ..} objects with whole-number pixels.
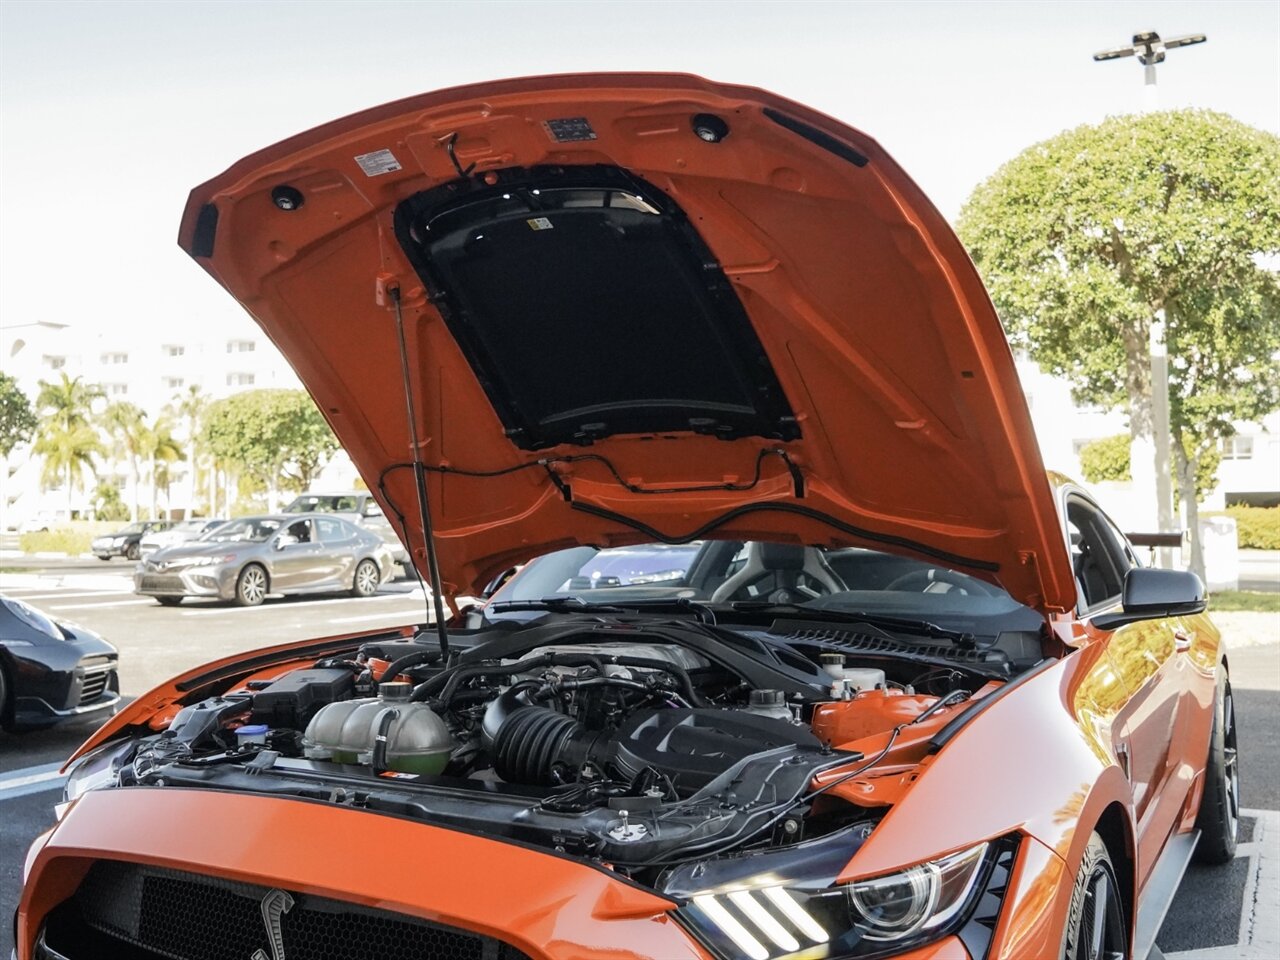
[
  {"x": 1096, "y": 924},
  {"x": 168, "y": 601},
  {"x": 251, "y": 586},
  {"x": 367, "y": 579},
  {"x": 133, "y": 552},
  {"x": 1219, "y": 816},
  {"x": 4, "y": 699}
]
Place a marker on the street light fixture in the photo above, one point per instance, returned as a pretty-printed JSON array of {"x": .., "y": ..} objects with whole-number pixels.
[{"x": 1150, "y": 48}]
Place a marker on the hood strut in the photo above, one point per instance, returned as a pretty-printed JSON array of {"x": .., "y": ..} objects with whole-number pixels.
[{"x": 420, "y": 477}]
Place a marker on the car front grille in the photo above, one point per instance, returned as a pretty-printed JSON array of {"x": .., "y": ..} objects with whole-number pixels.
[
  {"x": 131, "y": 912},
  {"x": 94, "y": 684},
  {"x": 158, "y": 583}
]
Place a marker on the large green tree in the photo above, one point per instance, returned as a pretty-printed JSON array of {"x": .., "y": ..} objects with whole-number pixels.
[
  {"x": 17, "y": 419},
  {"x": 189, "y": 407},
  {"x": 1085, "y": 239},
  {"x": 67, "y": 440},
  {"x": 276, "y": 436}
]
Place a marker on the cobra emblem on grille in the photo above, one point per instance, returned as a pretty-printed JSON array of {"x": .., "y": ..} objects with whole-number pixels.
[{"x": 274, "y": 905}]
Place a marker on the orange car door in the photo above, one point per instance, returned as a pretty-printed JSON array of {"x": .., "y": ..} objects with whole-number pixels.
[{"x": 1146, "y": 660}]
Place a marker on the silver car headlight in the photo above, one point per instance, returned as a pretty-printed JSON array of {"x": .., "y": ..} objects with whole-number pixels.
[
  {"x": 97, "y": 768},
  {"x": 776, "y": 914}
]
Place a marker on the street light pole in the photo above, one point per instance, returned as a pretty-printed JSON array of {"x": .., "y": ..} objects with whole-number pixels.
[{"x": 1147, "y": 459}]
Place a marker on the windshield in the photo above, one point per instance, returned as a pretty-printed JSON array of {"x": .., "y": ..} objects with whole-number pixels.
[
  {"x": 135, "y": 528},
  {"x": 324, "y": 503},
  {"x": 191, "y": 525},
  {"x": 254, "y": 529},
  {"x": 847, "y": 579}
]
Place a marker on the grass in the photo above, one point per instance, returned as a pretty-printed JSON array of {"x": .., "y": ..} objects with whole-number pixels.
[
  {"x": 6, "y": 569},
  {"x": 1253, "y": 600}
]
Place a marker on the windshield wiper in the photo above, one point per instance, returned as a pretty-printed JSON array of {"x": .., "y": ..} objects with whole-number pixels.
[
  {"x": 924, "y": 628},
  {"x": 553, "y": 604}
]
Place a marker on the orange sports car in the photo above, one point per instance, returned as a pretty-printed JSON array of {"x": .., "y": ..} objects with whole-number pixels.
[{"x": 813, "y": 659}]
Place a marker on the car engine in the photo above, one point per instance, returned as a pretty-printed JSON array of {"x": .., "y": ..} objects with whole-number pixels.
[{"x": 638, "y": 746}]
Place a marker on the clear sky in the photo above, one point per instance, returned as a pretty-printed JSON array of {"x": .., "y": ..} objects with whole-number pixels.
[{"x": 111, "y": 112}]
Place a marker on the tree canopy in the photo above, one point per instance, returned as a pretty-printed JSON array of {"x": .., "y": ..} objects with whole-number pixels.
[
  {"x": 17, "y": 419},
  {"x": 1082, "y": 239},
  {"x": 277, "y": 436},
  {"x": 67, "y": 441}
]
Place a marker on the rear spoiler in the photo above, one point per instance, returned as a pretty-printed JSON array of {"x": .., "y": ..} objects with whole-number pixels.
[{"x": 1176, "y": 538}]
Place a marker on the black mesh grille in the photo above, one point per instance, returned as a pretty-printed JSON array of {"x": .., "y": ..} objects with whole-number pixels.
[{"x": 130, "y": 912}]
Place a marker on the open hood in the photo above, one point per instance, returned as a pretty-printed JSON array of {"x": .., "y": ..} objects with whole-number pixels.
[{"x": 639, "y": 307}]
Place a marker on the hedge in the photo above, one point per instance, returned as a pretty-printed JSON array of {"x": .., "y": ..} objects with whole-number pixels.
[{"x": 1257, "y": 528}]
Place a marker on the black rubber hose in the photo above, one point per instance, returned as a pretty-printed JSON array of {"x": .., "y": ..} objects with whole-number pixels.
[
  {"x": 535, "y": 743},
  {"x": 379, "y": 762},
  {"x": 448, "y": 681},
  {"x": 402, "y": 664}
]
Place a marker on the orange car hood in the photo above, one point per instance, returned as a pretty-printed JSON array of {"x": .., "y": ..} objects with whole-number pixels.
[{"x": 777, "y": 338}]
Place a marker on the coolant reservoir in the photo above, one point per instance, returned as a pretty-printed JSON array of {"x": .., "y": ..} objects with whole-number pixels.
[{"x": 418, "y": 741}]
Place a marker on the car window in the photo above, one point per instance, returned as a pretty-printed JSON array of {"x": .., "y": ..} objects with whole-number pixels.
[
  {"x": 255, "y": 530},
  {"x": 1098, "y": 558},
  {"x": 299, "y": 530},
  {"x": 332, "y": 531}
]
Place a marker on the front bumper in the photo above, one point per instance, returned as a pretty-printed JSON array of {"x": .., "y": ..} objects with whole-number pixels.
[
  {"x": 545, "y": 906},
  {"x": 106, "y": 549},
  {"x": 211, "y": 581}
]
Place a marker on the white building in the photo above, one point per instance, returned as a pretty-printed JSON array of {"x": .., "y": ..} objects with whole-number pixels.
[{"x": 146, "y": 370}]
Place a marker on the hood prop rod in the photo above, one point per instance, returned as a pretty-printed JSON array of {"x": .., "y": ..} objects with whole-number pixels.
[{"x": 420, "y": 476}]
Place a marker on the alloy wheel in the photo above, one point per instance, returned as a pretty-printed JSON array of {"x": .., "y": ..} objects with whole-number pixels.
[
  {"x": 253, "y": 586},
  {"x": 1103, "y": 925},
  {"x": 366, "y": 578},
  {"x": 1230, "y": 757}
]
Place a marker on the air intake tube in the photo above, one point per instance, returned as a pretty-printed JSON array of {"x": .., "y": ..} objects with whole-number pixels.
[{"x": 535, "y": 745}]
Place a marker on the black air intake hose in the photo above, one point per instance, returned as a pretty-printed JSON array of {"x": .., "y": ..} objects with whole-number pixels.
[{"x": 536, "y": 745}]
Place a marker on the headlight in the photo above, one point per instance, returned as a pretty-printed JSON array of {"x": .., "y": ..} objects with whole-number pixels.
[
  {"x": 95, "y": 769},
  {"x": 776, "y": 914}
]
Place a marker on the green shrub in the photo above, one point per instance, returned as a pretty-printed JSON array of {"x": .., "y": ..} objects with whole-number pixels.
[
  {"x": 1257, "y": 528},
  {"x": 1106, "y": 459},
  {"x": 57, "y": 540}
]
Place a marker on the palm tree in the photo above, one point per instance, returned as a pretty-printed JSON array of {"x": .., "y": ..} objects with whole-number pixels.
[
  {"x": 163, "y": 449},
  {"x": 126, "y": 426},
  {"x": 67, "y": 441},
  {"x": 190, "y": 406}
]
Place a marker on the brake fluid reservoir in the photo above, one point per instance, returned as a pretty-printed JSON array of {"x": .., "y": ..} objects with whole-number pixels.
[{"x": 418, "y": 741}]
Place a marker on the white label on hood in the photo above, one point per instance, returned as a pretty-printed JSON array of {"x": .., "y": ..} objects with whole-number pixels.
[{"x": 377, "y": 163}]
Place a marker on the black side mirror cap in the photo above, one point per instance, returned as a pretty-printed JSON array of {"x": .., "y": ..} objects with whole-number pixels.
[{"x": 1151, "y": 594}]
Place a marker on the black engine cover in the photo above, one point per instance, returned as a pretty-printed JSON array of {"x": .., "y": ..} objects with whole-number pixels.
[{"x": 693, "y": 747}]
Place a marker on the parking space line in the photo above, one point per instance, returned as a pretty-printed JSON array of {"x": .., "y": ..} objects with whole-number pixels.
[
  {"x": 28, "y": 780},
  {"x": 66, "y": 594},
  {"x": 98, "y": 606},
  {"x": 413, "y": 615},
  {"x": 332, "y": 601}
]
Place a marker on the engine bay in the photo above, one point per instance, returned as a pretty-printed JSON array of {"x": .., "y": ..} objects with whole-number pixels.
[{"x": 641, "y": 745}]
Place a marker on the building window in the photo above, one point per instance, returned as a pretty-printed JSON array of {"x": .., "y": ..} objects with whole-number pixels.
[
  {"x": 115, "y": 389},
  {"x": 1237, "y": 448},
  {"x": 174, "y": 350},
  {"x": 239, "y": 379},
  {"x": 173, "y": 383},
  {"x": 241, "y": 346},
  {"x": 54, "y": 363},
  {"x": 114, "y": 358}
]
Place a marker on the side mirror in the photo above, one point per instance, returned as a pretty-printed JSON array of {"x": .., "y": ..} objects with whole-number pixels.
[
  {"x": 284, "y": 540},
  {"x": 1151, "y": 594}
]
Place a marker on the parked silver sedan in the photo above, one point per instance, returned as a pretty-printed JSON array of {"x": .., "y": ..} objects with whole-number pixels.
[{"x": 244, "y": 560}]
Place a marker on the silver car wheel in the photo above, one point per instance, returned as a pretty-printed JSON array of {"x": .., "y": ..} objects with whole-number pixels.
[
  {"x": 251, "y": 587},
  {"x": 367, "y": 579}
]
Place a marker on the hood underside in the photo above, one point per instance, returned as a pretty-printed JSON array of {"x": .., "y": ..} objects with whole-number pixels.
[{"x": 639, "y": 307}]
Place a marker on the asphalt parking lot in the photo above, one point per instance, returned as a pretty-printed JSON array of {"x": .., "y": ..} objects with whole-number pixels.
[{"x": 1221, "y": 913}]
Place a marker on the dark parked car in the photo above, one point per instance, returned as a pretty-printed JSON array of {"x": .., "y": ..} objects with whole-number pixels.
[
  {"x": 126, "y": 543},
  {"x": 52, "y": 671}
]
